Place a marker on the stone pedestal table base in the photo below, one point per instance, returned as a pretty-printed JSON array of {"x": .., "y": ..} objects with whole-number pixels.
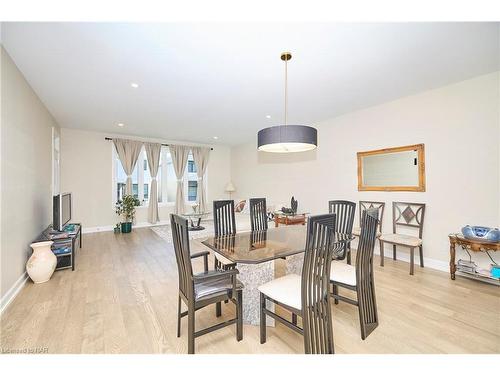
[{"x": 252, "y": 276}]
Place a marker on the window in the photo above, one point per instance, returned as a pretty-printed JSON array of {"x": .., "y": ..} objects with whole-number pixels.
[
  {"x": 166, "y": 179},
  {"x": 121, "y": 179},
  {"x": 191, "y": 178},
  {"x": 141, "y": 179},
  {"x": 170, "y": 181},
  {"x": 191, "y": 166},
  {"x": 192, "y": 190}
]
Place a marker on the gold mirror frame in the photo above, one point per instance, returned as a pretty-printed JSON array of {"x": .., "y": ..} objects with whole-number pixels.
[{"x": 421, "y": 169}]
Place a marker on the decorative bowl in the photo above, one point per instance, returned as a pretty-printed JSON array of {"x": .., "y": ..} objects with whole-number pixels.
[{"x": 481, "y": 233}]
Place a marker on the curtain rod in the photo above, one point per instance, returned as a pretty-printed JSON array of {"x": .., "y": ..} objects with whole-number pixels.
[{"x": 163, "y": 144}]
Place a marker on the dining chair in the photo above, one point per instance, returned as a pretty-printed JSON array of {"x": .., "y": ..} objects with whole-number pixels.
[
  {"x": 359, "y": 278},
  {"x": 224, "y": 224},
  {"x": 307, "y": 295},
  {"x": 202, "y": 289},
  {"x": 365, "y": 205},
  {"x": 406, "y": 214},
  {"x": 258, "y": 214},
  {"x": 345, "y": 219}
]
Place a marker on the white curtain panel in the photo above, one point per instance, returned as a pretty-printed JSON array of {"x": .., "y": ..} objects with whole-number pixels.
[
  {"x": 201, "y": 156},
  {"x": 153, "y": 151},
  {"x": 179, "y": 160},
  {"x": 128, "y": 152}
]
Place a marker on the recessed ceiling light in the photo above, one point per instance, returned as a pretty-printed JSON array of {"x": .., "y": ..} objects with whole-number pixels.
[
  {"x": 134, "y": 85},
  {"x": 215, "y": 137},
  {"x": 121, "y": 124},
  {"x": 268, "y": 116}
]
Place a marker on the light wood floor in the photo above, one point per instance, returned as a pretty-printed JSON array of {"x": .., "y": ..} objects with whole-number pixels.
[{"x": 122, "y": 298}]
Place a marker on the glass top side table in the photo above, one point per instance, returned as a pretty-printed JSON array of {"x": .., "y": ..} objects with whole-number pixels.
[{"x": 196, "y": 217}]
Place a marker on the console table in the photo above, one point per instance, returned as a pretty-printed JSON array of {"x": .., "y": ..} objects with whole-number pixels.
[
  {"x": 64, "y": 244},
  {"x": 472, "y": 245},
  {"x": 287, "y": 219}
]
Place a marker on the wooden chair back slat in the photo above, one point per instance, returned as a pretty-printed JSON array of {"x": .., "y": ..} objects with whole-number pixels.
[
  {"x": 380, "y": 206},
  {"x": 258, "y": 214},
  {"x": 345, "y": 215},
  {"x": 364, "y": 272},
  {"x": 224, "y": 217},
  {"x": 180, "y": 238},
  {"x": 316, "y": 309}
]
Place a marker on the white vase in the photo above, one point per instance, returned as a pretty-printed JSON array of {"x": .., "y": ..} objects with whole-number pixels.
[{"x": 42, "y": 263}]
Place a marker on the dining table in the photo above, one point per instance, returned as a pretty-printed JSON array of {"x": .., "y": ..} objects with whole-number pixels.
[{"x": 255, "y": 253}]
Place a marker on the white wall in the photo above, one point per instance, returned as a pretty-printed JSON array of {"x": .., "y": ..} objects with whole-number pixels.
[
  {"x": 86, "y": 171},
  {"x": 26, "y": 164},
  {"x": 459, "y": 125}
]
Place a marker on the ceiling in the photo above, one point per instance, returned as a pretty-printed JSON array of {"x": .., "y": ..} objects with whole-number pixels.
[{"x": 197, "y": 81}]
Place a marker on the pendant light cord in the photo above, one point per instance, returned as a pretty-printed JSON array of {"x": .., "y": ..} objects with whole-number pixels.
[{"x": 286, "y": 92}]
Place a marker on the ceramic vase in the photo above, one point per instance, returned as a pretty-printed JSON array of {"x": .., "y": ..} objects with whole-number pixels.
[{"x": 42, "y": 263}]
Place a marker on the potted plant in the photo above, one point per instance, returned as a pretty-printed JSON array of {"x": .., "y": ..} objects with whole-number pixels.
[
  {"x": 117, "y": 228},
  {"x": 126, "y": 209}
]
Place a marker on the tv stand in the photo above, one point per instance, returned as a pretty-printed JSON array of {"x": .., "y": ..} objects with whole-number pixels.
[{"x": 65, "y": 244}]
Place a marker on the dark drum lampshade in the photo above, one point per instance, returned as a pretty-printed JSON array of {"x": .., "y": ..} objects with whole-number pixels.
[{"x": 289, "y": 138}]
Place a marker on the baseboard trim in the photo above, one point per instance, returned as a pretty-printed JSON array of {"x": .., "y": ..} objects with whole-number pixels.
[
  {"x": 105, "y": 228},
  {"x": 109, "y": 228},
  {"x": 402, "y": 254},
  {"x": 13, "y": 292},
  {"x": 405, "y": 257}
]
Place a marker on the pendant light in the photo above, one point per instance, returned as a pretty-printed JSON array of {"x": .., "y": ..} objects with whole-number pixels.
[{"x": 287, "y": 138}]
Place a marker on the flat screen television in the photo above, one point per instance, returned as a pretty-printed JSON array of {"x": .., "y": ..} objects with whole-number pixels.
[{"x": 61, "y": 210}]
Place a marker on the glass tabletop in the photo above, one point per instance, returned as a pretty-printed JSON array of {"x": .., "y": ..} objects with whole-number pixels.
[
  {"x": 262, "y": 246},
  {"x": 196, "y": 214}
]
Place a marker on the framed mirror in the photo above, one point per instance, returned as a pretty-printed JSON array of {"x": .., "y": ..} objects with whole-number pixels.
[{"x": 392, "y": 169}]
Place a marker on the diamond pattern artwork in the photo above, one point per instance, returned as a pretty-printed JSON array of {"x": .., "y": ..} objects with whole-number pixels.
[{"x": 408, "y": 214}]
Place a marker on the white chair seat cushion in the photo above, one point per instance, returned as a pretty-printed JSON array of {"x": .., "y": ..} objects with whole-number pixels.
[
  {"x": 401, "y": 239},
  {"x": 284, "y": 289},
  {"x": 357, "y": 232},
  {"x": 343, "y": 273},
  {"x": 222, "y": 259}
]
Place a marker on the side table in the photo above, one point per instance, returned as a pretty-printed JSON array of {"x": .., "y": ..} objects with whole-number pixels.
[
  {"x": 192, "y": 216},
  {"x": 285, "y": 219},
  {"x": 469, "y": 245}
]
